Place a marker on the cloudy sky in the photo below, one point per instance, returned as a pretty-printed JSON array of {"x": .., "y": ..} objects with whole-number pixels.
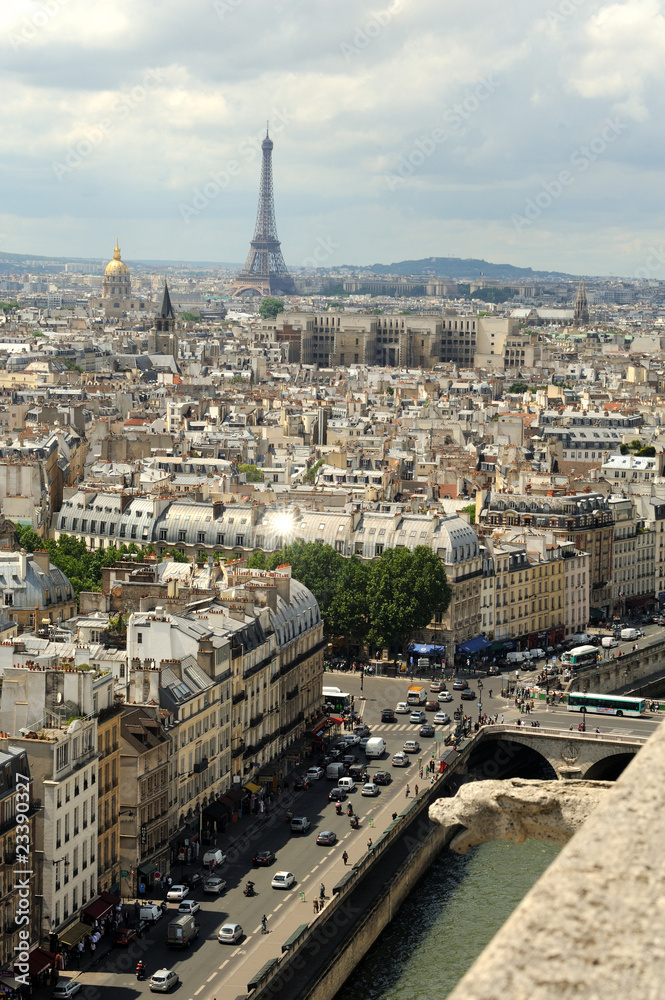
[{"x": 528, "y": 132}]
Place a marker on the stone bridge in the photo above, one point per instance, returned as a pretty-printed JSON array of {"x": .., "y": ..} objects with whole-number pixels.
[
  {"x": 622, "y": 673},
  {"x": 502, "y": 751}
]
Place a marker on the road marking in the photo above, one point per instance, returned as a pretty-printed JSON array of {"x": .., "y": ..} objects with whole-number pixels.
[
  {"x": 277, "y": 907},
  {"x": 223, "y": 964},
  {"x": 316, "y": 866},
  {"x": 330, "y": 853},
  {"x": 210, "y": 978},
  {"x": 200, "y": 989}
]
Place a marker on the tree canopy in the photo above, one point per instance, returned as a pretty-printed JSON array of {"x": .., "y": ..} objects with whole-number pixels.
[
  {"x": 270, "y": 307},
  {"x": 252, "y": 474}
]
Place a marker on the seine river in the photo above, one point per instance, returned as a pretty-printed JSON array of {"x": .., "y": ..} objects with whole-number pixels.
[{"x": 447, "y": 921}]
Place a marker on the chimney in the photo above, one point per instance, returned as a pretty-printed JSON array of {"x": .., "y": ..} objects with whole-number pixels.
[{"x": 41, "y": 557}]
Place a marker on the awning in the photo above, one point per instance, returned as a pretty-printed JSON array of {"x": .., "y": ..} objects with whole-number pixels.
[
  {"x": 473, "y": 645},
  {"x": 217, "y": 810},
  {"x": 426, "y": 649},
  {"x": 497, "y": 647},
  {"x": 148, "y": 868},
  {"x": 101, "y": 907},
  {"x": 74, "y": 933},
  {"x": 188, "y": 833},
  {"x": 39, "y": 961},
  {"x": 336, "y": 719},
  {"x": 318, "y": 727},
  {"x": 251, "y": 787}
]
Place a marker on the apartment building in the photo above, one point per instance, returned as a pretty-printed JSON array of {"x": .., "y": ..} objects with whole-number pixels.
[
  {"x": 108, "y": 798},
  {"x": 15, "y": 780}
]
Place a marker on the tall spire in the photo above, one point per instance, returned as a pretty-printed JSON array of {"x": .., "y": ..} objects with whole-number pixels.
[
  {"x": 116, "y": 251},
  {"x": 264, "y": 271},
  {"x": 581, "y": 314},
  {"x": 166, "y": 310}
]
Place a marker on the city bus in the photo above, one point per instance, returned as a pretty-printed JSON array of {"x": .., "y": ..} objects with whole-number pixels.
[
  {"x": 605, "y": 704},
  {"x": 581, "y": 656},
  {"x": 336, "y": 701}
]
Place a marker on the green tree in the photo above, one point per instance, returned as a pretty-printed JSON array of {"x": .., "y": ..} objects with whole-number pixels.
[
  {"x": 270, "y": 307},
  {"x": 406, "y": 589},
  {"x": 471, "y": 511},
  {"x": 348, "y": 613},
  {"x": 175, "y": 555},
  {"x": 518, "y": 387},
  {"x": 313, "y": 564},
  {"x": 257, "y": 560},
  {"x": 252, "y": 474},
  {"x": 190, "y": 317},
  {"x": 310, "y": 475},
  {"x": 647, "y": 452},
  {"x": 624, "y": 449}
]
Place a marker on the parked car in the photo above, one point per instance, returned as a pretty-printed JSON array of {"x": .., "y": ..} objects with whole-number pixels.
[
  {"x": 431, "y": 706},
  {"x": 417, "y": 717},
  {"x": 370, "y": 788},
  {"x": 177, "y": 893},
  {"x": 411, "y": 746},
  {"x": 229, "y": 933},
  {"x": 283, "y": 880},
  {"x": 435, "y": 686},
  {"x": 402, "y": 708},
  {"x": 460, "y": 685},
  {"x": 315, "y": 773},
  {"x": 441, "y": 718},
  {"x": 326, "y": 838},
  {"x": 468, "y": 695},
  {"x": 163, "y": 981},
  {"x": 123, "y": 936},
  {"x": 64, "y": 991},
  {"x": 426, "y": 731},
  {"x": 383, "y": 778},
  {"x": 387, "y": 715},
  {"x": 400, "y": 759},
  {"x": 189, "y": 906},
  {"x": 263, "y": 858},
  {"x": 214, "y": 885}
]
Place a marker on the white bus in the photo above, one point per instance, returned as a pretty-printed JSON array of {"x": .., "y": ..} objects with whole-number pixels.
[
  {"x": 581, "y": 656},
  {"x": 605, "y": 704}
]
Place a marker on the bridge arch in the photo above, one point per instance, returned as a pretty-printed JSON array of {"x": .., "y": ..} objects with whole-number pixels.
[
  {"x": 610, "y": 767},
  {"x": 506, "y": 756}
]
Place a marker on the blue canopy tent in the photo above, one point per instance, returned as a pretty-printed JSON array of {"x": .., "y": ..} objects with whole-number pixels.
[
  {"x": 476, "y": 645},
  {"x": 423, "y": 649}
]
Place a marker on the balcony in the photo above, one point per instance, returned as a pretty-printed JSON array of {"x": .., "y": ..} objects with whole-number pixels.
[
  {"x": 201, "y": 765},
  {"x": 237, "y": 698},
  {"x": 257, "y": 720}
]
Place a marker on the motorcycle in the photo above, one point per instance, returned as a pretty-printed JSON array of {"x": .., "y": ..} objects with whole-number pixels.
[
  {"x": 338, "y": 808},
  {"x": 249, "y": 889},
  {"x": 140, "y": 971},
  {"x": 354, "y": 822},
  {"x": 163, "y": 906}
]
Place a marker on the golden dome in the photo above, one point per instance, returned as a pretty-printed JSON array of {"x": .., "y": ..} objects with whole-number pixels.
[{"x": 116, "y": 266}]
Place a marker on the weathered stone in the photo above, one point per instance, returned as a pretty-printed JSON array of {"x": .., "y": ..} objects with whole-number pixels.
[{"x": 517, "y": 809}]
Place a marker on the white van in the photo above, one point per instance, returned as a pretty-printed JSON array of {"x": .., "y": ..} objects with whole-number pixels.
[
  {"x": 348, "y": 784},
  {"x": 150, "y": 912},
  {"x": 213, "y": 857},
  {"x": 537, "y": 653},
  {"x": 628, "y": 634},
  {"x": 375, "y": 747},
  {"x": 515, "y": 657},
  {"x": 608, "y": 642}
]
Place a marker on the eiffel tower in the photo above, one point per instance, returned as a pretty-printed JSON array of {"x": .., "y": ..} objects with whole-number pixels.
[{"x": 264, "y": 272}]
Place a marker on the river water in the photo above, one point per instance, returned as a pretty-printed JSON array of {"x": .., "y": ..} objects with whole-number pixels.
[{"x": 447, "y": 921}]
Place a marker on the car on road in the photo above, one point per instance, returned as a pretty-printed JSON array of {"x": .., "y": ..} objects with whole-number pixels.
[
  {"x": 63, "y": 991},
  {"x": 460, "y": 685},
  {"x": 214, "y": 885},
  {"x": 370, "y": 788},
  {"x": 435, "y": 686},
  {"x": 431, "y": 706},
  {"x": 177, "y": 893},
  {"x": 444, "y": 696},
  {"x": 401, "y": 708},
  {"x": 411, "y": 746},
  {"x": 417, "y": 717},
  {"x": 441, "y": 718},
  {"x": 426, "y": 731},
  {"x": 283, "y": 880},
  {"x": 163, "y": 981},
  {"x": 400, "y": 759},
  {"x": 382, "y": 778},
  {"x": 362, "y": 730},
  {"x": 194, "y": 881},
  {"x": 468, "y": 695},
  {"x": 336, "y": 795},
  {"x": 299, "y": 824},
  {"x": 229, "y": 933},
  {"x": 315, "y": 773},
  {"x": 326, "y": 838},
  {"x": 189, "y": 906},
  {"x": 352, "y": 739},
  {"x": 349, "y": 759},
  {"x": 300, "y": 782},
  {"x": 364, "y": 741},
  {"x": 335, "y": 753},
  {"x": 263, "y": 858},
  {"x": 123, "y": 936},
  {"x": 387, "y": 715}
]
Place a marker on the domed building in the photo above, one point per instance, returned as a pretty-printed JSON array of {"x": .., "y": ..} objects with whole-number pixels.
[{"x": 117, "y": 299}]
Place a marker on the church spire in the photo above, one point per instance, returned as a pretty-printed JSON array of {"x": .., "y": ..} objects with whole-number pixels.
[
  {"x": 581, "y": 314},
  {"x": 166, "y": 310}
]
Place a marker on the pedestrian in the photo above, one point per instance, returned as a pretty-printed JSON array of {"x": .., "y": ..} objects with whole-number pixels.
[
  {"x": 394, "y": 816},
  {"x": 490, "y": 692},
  {"x": 406, "y": 791},
  {"x": 264, "y": 924},
  {"x": 502, "y": 720},
  {"x": 322, "y": 891},
  {"x": 315, "y": 905},
  {"x": 345, "y": 857},
  {"x": 369, "y": 843},
  {"x": 416, "y": 789}
]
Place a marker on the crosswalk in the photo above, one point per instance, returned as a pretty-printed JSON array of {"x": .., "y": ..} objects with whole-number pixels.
[{"x": 391, "y": 727}]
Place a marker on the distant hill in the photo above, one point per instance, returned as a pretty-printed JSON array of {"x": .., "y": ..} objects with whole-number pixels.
[{"x": 461, "y": 269}]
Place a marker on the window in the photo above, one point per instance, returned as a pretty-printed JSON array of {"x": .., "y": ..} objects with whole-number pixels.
[{"x": 139, "y": 637}]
